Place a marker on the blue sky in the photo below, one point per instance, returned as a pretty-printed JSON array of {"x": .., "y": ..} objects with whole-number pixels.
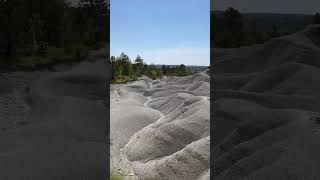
[{"x": 162, "y": 32}]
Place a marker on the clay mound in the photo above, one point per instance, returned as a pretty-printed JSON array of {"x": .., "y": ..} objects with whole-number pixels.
[
  {"x": 168, "y": 104},
  {"x": 169, "y": 146},
  {"x": 313, "y": 33},
  {"x": 64, "y": 130},
  {"x": 197, "y": 85},
  {"x": 203, "y": 76},
  {"x": 4, "y": 85},
  {"x": 185, "y": 124},
  {"x": 137, "y": 86},
  {"x": 132, "y": 121},
  {"x": 272, "y": 133},
  {"x": 274, "y": 53},
  {"x": 190, "y": 163},
  {"x": 78, "y": 82}
]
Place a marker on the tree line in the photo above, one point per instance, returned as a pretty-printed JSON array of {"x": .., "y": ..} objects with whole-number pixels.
[
  {"x": 124, "y": 70},
  {"x": 229, "y": 30},
  {"x": 33, "y": 30}
]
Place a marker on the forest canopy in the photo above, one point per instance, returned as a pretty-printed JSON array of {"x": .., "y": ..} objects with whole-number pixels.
[
  {"x": 37, "y": 32},
  {"x": 124, "y": 69}
]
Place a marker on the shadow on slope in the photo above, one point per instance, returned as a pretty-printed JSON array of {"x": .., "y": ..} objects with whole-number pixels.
[
  {"x": 65, "y": 137},
  {"x": 265, "y": 99}
]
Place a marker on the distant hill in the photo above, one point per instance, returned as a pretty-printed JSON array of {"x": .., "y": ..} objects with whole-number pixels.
[{"x": 245, "y": 29}]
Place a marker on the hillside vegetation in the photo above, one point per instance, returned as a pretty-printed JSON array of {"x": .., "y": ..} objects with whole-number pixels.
[
  {"x": 231, "y": 28},
  {"x": 39, "y": 33},
  {"x": 124, "y": 70}
]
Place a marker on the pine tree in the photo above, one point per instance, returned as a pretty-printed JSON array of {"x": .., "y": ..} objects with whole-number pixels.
[{"x": 316, "y": 19}]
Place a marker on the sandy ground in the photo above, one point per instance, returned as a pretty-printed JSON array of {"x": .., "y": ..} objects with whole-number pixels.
[
  {"x": 160, "y": 129},
  {"x": 53, "y": 124},
  {"x": 266, "y": 109}
]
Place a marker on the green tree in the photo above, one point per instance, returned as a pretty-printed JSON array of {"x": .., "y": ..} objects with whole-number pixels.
[
  {"x": 113, "y": 67},
  {"x": 12, "y": 19},
  {"x": 35, "y": 31},
  {"x": 33, "y": 27},
  {"x": 164, "y": 69},
  {"x": 138, "y": 65},
  {"x": 233, "y": 26},
  {"x": 153, "y": 74},
  {"x": 96, "y": 12},
  {"x": 316, "y": 18},
  {"x": 275, "y": 32},
  {"x": 123, "y": 70},
  {"x": 181, "y": 70}
]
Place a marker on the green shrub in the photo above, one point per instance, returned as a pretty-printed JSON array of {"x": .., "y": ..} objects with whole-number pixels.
[{"x": 114, "y": 177}]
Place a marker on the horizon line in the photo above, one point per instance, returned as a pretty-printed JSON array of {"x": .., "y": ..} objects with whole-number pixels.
[{"x": 265, "y": 12}]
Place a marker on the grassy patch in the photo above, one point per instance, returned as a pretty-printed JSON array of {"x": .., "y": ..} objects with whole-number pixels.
[
  {"x": 114, "y": 177},
  {"x": 32, "y": 61},
  {"x": 54, "y": 55},
  {"x": 123, "y": 79}
]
